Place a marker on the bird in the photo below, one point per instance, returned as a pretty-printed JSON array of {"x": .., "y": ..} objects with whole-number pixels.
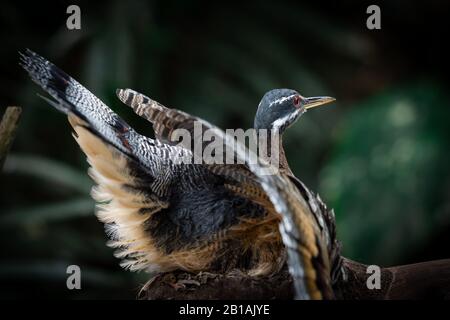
[{"x": 161, "y": 214}]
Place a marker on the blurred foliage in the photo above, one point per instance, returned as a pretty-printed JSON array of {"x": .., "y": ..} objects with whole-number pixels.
[
  {"x": 388, "y": 177},
  {"x": 379, "y": 156}
]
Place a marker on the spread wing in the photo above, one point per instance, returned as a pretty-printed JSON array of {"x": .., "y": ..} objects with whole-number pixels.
[
  {"x": 304, "y": 233},
  {"x": 166, "y": 122},
  {"x": 132, "y": 172}
]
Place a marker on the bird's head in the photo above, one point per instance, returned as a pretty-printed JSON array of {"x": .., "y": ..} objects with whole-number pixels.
[{"x": 280, "y": 108}]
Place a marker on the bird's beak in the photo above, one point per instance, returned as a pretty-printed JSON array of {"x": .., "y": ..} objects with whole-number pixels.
[{"x": 313, "y": 102}]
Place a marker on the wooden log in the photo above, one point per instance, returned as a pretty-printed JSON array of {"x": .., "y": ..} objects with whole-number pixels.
[{"x": 427, "y": 280}]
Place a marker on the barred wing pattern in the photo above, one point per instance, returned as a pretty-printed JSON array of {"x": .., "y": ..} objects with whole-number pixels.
[{"x": 119, "y": 159}]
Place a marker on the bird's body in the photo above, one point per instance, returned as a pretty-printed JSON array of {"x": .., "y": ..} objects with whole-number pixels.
[{"x": 164, "y": 215}]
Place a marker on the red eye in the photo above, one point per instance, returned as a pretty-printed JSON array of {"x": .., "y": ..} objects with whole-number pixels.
[{"x": 296, "y": 101}]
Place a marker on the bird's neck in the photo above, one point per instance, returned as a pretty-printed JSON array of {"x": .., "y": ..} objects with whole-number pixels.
[
  {"x": 284, "y": 165},
  {"x": 277, "y": 146}
]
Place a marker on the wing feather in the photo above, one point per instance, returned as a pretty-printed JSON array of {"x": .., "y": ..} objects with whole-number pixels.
[{"x": 130, "y": 170}]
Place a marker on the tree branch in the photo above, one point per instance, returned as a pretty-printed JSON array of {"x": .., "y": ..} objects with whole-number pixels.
[
  {"x": 8, "y": 127},
  {"x": 427, "y": 280}
]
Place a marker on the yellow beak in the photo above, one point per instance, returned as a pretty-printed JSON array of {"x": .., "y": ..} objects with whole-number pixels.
[{"x": 313, "y": 102}]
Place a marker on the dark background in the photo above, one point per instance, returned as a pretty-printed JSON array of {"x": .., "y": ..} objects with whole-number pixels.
[{"x": 379, "y": 155}]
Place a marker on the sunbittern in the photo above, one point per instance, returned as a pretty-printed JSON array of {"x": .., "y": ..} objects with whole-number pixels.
[{"x": 162, "y": 215}]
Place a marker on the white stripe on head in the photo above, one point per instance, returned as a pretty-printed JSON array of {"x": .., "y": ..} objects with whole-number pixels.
[{"x": 281, "y": 100}]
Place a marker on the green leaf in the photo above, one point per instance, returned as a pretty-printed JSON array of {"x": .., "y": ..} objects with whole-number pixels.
[{"x": 52, "y": 212}]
